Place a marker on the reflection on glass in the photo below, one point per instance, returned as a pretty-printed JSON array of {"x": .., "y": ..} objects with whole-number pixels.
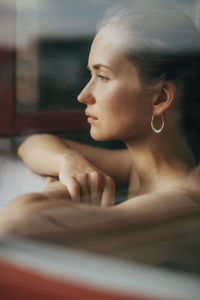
[
  {"x": 51, "y": 61},
  {"x": 53, "y": 40}
]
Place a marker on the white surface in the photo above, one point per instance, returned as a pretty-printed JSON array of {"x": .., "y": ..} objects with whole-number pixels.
[
  {"x": 99, "y": 272},
  {"x": 15, "y": 178}
]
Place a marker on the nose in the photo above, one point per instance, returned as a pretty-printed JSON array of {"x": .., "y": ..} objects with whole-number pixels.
[{"x": 86, "y": 95}]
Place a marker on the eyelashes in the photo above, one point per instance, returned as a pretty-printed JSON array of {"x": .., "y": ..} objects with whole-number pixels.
[
  {"x": 99, "y": 76},
  {"x": 102, "y": 78}
]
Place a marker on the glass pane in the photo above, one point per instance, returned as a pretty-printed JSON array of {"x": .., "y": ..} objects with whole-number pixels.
[{"x": 53, "y": 40}]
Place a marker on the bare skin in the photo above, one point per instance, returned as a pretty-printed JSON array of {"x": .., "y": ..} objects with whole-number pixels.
[
  {"x": 55, "y": 201},
  {"x": 115, "y": 105},
  {"x": 157, "y": 168}
]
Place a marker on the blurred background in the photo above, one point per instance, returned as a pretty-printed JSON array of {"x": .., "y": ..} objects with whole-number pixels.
[
  {"x": 52, "y": 46},
  {"x": 42, "y": 69}
]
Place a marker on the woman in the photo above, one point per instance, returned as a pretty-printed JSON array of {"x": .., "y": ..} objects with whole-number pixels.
[{"x": 143, "y": 83}]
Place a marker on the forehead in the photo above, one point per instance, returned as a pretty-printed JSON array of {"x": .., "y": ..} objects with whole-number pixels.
[{"x": 106, "y": 49}]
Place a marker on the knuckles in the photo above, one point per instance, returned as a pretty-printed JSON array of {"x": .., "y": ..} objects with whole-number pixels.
[
  {"x": 75, "y": 188},
  {"x": 110, "y": 182},
  {"x": 83, "y": 177},
  {"x": 90, "y": 177},
  {"x": 96, "y": 177}
]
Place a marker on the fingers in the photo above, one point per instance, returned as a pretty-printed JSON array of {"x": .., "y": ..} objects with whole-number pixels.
[
  {"x": 108, "y": 194},
  {"x": 90, "y": 188},
  {"x": 73, "y": 187},
  {"x": 79, "y": 187},
  {"x": 48, "y": 181},
  {"x": 96, "y": 186},
  {"x": 84, "y": 183},
  {"x": 91, "y": 185},
  {"x": 55, "y": 189}
]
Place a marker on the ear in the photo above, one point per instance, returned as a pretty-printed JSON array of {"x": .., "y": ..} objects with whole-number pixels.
[{"x": 164, "y": 98}]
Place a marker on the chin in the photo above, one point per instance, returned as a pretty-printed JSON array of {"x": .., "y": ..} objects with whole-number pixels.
[
  {"x": 102, "y": 137},
  {"x": 99, "y": 138}
]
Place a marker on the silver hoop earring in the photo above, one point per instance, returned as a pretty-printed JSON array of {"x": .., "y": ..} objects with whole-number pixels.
[{"x": 161, "y": 128}]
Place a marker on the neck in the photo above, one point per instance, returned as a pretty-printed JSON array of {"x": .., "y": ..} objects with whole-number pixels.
[{"x": 161, "y": 158}]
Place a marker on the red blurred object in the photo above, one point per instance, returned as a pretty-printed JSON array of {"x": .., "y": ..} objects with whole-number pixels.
[{"x": 20, "y": 284}]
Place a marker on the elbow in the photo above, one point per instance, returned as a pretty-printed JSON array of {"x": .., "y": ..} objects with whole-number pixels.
[
  {"x": 20, "y": 150},
  {"x": 22, "y": 147},
  {"x": 27, "y": 144},
  {"x": 12, "y": 220},
  {"x": 16, "y": 216}
]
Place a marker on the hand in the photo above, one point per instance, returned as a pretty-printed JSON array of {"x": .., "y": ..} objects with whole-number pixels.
[
  {"x": 55, "y": 190},
  {"x": 84, "y": 182}
]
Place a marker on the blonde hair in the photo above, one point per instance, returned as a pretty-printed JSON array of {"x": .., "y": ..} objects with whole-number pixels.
[{"x": 164, "y": 44}]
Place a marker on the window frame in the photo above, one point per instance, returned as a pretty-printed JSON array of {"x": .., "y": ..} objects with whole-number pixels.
[{"x": 14, "y": 123}]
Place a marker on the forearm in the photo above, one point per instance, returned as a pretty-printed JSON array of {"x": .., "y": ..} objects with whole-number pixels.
[
  {"x": 104, "y": 230},
  {"x": 41, "y": 215},
  {"x": 43, "y": 153},
  {"x": 49, "y": 155}
]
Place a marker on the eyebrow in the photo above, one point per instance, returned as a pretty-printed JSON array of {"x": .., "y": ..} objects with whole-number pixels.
[{"x": 99, "y": 66}]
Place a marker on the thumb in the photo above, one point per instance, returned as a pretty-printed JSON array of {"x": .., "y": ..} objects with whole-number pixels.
[{"x": 48, "y": 180}]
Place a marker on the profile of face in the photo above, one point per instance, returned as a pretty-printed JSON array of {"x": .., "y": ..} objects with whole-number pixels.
[{"x": 118, "y": 107}]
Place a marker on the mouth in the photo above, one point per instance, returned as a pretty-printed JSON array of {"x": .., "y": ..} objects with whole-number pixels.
[{"x": 90, "y": 118}]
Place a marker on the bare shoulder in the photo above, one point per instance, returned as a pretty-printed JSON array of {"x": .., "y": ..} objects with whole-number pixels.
[
  {"x": 192, "y": 185},
  {"x": 162, "y": 205},
  {"x": 188, "y": 191}
]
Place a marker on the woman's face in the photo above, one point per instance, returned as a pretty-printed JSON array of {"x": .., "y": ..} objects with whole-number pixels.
[{"x": 118, "y": 108}]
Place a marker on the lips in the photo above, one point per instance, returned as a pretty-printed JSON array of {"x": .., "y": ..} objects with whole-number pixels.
[{"x": 90, "y": 116}]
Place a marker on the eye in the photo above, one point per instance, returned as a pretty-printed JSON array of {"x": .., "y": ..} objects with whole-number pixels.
[{"x": 102, "y": 78}]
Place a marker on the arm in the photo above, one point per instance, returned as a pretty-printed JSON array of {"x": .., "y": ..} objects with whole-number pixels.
[
  {"x": 159, "y": 234},
  {"x": 45, "y": 153},
  {"x": 155, "y": 207},
  {"x": 88, "y": 172},
  {"x": 44, "y": 213},
  {"x": 53, "y": 208}
]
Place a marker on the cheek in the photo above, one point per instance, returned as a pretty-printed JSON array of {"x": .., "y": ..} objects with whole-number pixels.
[
  {"x": 124, "y": 112},
  {"x": 129, "y": 102},
  {"x": 129, "y": 110}
]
